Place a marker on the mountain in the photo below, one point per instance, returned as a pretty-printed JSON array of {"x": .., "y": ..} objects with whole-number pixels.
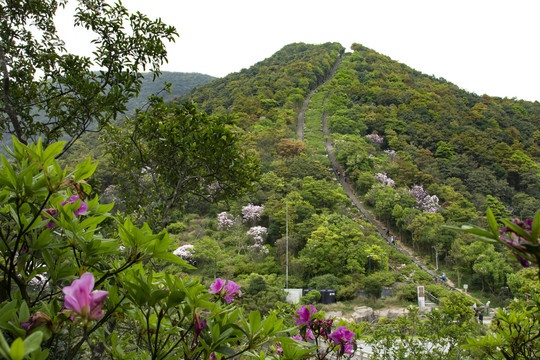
[
  {"x": 419, "y": 151},
  {"x": 181, "y": 84},
  {"x": 450, "y": 140}
]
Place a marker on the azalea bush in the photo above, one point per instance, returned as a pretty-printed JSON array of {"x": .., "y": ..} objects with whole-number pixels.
[
  {"x": 78, "y": 282},
  {"x": 515, "y": 330},
  {"x": 320, "y": 337}
]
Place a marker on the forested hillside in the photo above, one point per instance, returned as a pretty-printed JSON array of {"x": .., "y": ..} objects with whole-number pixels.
[
  {"x": 423, "y": 152},
  {"x": 181, "y": 84}
]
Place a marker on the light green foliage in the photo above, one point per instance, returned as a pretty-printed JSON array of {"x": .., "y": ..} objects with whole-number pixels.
[
  {"x": 410, "y": 337},
  {"x": 322, "y": 194},
  {"x": 336, "y": 250},
  {"x": 444, "y": 150},
  {"x": 457, "y": 306},
  {"x": 514, "y": 333},
  {"x": 311, "y": 297},
  {"x": 523, "y": 283}
]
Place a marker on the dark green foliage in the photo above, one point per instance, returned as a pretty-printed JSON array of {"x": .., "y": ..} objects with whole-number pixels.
[
  {"x": 40, "y": 77},
  {"x": 327, "y": 281},
  {"x": 173, "y": 153},
  {"x": 346, "y": 293},
  {"x": 256, "y": 285},
  {"x": 372, "y": 286},
  {"x": 408, "y": 292}
]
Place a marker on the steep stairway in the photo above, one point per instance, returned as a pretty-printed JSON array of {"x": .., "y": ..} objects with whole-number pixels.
[{"x": 381, "y": 229}]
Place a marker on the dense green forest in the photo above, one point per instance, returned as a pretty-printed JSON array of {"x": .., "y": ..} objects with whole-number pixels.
[{"x": 423, "y": 152}]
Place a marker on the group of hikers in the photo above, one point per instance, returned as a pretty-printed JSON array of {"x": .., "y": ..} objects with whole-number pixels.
[
  {"x": 394, "y": 239},
  {"x": 339, "y": 173}
]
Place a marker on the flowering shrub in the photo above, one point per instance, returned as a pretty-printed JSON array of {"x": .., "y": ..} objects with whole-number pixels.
[
  {"x": 226, "y": 289},
  {"x": 225, "y": 221},
  {"x": 257, "y": 233},
  {"x": 184, "y": 251},
  {"x": 391, "y": 153},
  {"x": 313, "y": 328},
  {"x": 47, "y": 314},
  {"x": 252, "y": 213},
  {"x": 51, "y": 213},
  {"x": 424, "y": 201},
  {"x": 304, "y": 315},
  {"x": 375, "y": 139},
  {"x": 384, "y": 179}
]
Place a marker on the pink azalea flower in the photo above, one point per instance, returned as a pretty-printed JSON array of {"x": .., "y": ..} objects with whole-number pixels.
[
  {"x": 297, "y": 337},
  {"x": 81, "y": 210},
  {"x": 80, "y": 298},
  {"x": 228, "y": 289},
  {"x": 232, "y": 290},
  {"x": 343, "y": 337},
  {"x": 279, "y": 349},
  {"x": 349, "y": 349},
  {"x": 304, "y": 315},
  {"x": 309, "y": 335},
  {"x": 216, "y": 287}
]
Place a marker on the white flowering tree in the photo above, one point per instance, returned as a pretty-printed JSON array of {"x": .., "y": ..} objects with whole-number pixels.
[
  {"x": 257, "y": 234},
  {"x": 425, "y": 202},
  {"x": 252, "y": 213},
  {"x": 375, "y": 139},
  {"x": 385, "y": 180},
  {"x": 225, "y": 221}
]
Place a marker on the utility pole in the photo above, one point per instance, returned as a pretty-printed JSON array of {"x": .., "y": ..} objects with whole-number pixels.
[
  {"x": 436, "y": 257},
  {"x": 287, "y": 244}
]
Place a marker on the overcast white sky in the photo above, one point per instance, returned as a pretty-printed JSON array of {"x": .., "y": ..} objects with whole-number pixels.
[{"x": 486, "y": 47}]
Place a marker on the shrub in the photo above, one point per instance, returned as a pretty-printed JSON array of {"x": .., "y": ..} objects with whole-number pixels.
[
  {"x": 439, "y": 291},
  {"x": 176, "y": 228},
  {"x": 310, "y": 298},
  {"x": 346, "y": 293},
  {"x": 373, "y": 286},
  {"x": 407, "y": 293},
  {"x": 324, "y": 282}
]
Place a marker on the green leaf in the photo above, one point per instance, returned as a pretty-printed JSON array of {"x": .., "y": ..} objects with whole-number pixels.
[
  {"x": 7, "y": 311},
  {"x": 4, "y": 346},
  {"x": 92, "y": 221},
  {"x": 536, "y": 227},
  {"x": 254, "y": 321},
  {"x": 173, "y": 258},
  {"x": 32, "y": 342},
  {"x": 175, "y": 298},
  {"x": 51, "y": 151},
  {"x": 8, "y": 171},
  {"x": 17, "y": 349},
  {"x": 492, "y": 223},
  {"x": 24, "y": 314},
  {"x": 225, "y": 350}
]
